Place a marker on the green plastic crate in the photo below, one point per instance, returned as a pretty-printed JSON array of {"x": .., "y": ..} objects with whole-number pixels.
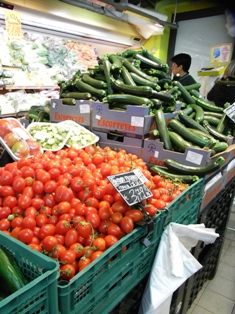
[
  {"x": 184, "y": 209},
  {"x": 103, "y": 283},
  {"x": 40, "y": 295}
]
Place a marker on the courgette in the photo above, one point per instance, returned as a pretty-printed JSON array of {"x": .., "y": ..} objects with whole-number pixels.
[
  {"x": 107, "y": 73},
  {"x": 220, "y": 147},
  {"x": 147, "y": 62},
  {"x": 10, "y": 274},
  {"x": 179, "y": 141},
  {"x": 163, "y": 96},
  {"x": 194, "y": 86},
  {"x": 118, "y": 85},
  {"x": 211, "y": 119},
  {"x": 190, "y": 122},
  {"x": 128, "y": 53},
  {"x": 207, "y": 106},
  {"x": 149, "y": 55},
  {"x": 157, "y": 73},
  {"x": 127, "y": 99},
  {"x": 174, "y": 176},
  {"x": 221, "y": 125},
  {"x": 199, "y": 112},
  {"x": 184, "y": 93},
  {"x": 213, "y": 114},
  {"x": 142, "y": 81},
  {"x": 84, "y": 87},
  {"x": 93, "y": 82},
  {"x": 187, "y": 111},
  {"x": 216, "y": 134},
  {"x": 127, "y": 77},
  {"x": 194, "y": 170},
  {"x": 162, "y": 128},
  {"x": 79, "y": 95},
  {"x": 131, "y": 68},
  {"x": 179, "y": 128},
  {"x": 68, "y": 101},
  {"x": 115, "y": 61}
]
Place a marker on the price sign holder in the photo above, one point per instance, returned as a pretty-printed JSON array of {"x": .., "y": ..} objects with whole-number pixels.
[
  {"x": 230, "y": 112},
  {"x": 130, "y": 186}
]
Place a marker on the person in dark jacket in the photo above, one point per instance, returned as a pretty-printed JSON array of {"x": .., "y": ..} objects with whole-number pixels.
[
  {"x": 180, "y": 69},
  {"x": 223, "y": 90}
]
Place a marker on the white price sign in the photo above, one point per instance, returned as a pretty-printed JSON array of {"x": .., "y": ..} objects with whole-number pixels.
[{"x": 230, "y": 112}]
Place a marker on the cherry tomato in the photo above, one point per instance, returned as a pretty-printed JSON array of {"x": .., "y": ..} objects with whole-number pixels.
[
  {"x": 28, "y": 222},
  {"x": 110, "y": 240},
  {"x": 68, "y": 256},
  {"x": 71, "y": 237},
  {"x": 78, "y": 249},
  {"x": 62, "y": 227},
  {"x": 24, "y": 201},
  {"x": 10, "y": 201},
  {"x": 83, "y": 263},
  {"x": 94, "y": 219},
  {"x": 119, "y": 206},
  {"x": 150, "y": 209},
  {"x": 25, "y": 235},
  {"x": 135, "y": 214},
  {"x": 84, "y": 229},
  {"x": 114, "y": 229},
  {"x": 127, "y": 224},
  {"x": 95, "y": 255},
  {"x": 67, "y": 271},
  {"x": 46, "y": 230},
  {"x": 49, "y": 243},
  {"x": 63, "y": 193}
]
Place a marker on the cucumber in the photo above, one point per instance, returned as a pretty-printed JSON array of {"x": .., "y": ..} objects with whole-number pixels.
[
  {"x": 199, "y": 112},
  {"x": 10, "y": 274},
  {"x": 190, "y": 122},
  {"x": 93, "y": 82},
  {"x": 162, "y": 128},
  {"x": 142, "y": 81},
  {"x": 179, "y": 141},
  {"x": 184, "y": 93},
  {"x": 194, "y": 170},
  {"x": 84, "y": 87},
  {"x": 78, "y": 95},
  {"x": 174, "y": 176},
  {"x": 219, "y": 136},
  {"x": 128, "y": 99},
  {"x": 118, "y": 85},
  {"x": 207, "y": 106},
  {"x": 127, "y": 77},
  {"x": 179, "y": 128}
]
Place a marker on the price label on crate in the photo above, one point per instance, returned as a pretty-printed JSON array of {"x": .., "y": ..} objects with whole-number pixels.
[
  {"x": 13, "y": 25},
  {"x": 131, "y": 186},
  {"x": 230, "y": 112}
]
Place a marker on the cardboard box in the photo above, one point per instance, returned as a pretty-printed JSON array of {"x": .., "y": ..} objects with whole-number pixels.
[
  {"x": 134, "y": 122},
  {"x": 131, "y": 145},
  {"x": 229, "y": 171},
  {"x": 79, "y": 113}
]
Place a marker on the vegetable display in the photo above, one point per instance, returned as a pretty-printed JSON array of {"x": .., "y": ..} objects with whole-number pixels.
[{"x": 62, "y": 204}]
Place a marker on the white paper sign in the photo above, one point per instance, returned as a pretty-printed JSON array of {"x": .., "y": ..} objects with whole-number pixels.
[{"x": 230, "y": 112}]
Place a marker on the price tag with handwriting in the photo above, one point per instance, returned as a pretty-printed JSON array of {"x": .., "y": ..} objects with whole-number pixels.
[
  {"x": 13, "y": 25},
  {"x": 230, "y": 112},
  {"x": 131, "y": 186}
]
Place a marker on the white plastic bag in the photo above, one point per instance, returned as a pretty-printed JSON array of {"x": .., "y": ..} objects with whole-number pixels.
[{"x": 173, "y": 265}]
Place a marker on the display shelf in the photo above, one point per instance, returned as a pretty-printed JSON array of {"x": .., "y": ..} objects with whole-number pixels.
[{"x": 13, "y": 87}]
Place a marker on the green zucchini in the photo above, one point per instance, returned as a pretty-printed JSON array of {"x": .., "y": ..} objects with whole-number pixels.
[
  {"x": 162, "y": 128},
  {"x": 163, "y": 96},
  {"x": 150, "y": 56},
  {"x": 179, "y": 128},
  {"x": 93, "y": 82},
  {"x": 221, "y": 125},
  {"x": 107, "y": 73},
  {"x": 199, "y": 112},
  {"x": 211, "y": 119},
  {"x": 79, "y": 95},
  {"x": 147, "y": 62},
  {"x": 213, "y": 114},
  {"x": 190, "y": 122},
  {"x": 205, "y": 136},
  {"x": 157, "y": 73},
  {"x": 187, "y": 111},
  {"x": 127, "y": 77},
  {"x": 220, "y": 147},
  {"x": 184, "y": 93},
  {"x": 84, "y": 87},
  {"x": 127, "y": 99},
  {"x": 142, "y": 81},
  {"x": 219, "y": 136},
  {"x": 115, "y": 61},
  {"x": 207, "y": 106},
  {"x": 157, "y": 103},
  {"x": 68, "y": 101},
  {"x": 194, "y": 170},
  {"x": 194, "y": 86},
  {"x": 118, "y": 85},
  {"x": 173, "y": 176},
  {"x": 192, "y": 115},
  {"x": 129, "y": 53},
  {"x": 11, "y": 276},
  {"x": 179, "y": 141},
  {"x": 131, "y": 68}
]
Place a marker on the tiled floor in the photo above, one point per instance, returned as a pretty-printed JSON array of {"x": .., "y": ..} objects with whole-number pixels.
[{"x": 218, "y": 295}]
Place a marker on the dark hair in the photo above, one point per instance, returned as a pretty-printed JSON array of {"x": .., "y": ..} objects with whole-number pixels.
[{"x": 182, "y": 59}]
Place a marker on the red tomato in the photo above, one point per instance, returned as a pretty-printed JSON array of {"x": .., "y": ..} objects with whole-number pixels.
[
  {"x": 46, "y": 230},
  {"x": 116, "y": 217},
  {"x": 6, "y": 177},
  {"x": 120, "y": 206},
  {"x": 83, "y": 263},
  {"x": 28, "y": 222},
  {"x": 5, "y": 127},
  {"x": 67, "y": 271},
  {"x": 16, "y": 222},
  {"x": 114, "y": 229},
  {"x": 34, "y": 146},
  {"x": 31, "y": 212},
  {"x": 127, "y": 224},
  {"x": 104, "y": 213},
  {"x": 42, "y": 175},
  {"x": 50, "y": 186},
  {"x": 71, "y": 237},
  {"x": 95, "y": 255},
  {"x": 24, "y": 201},
  {"x": 62, "y": 227},
  {"x": 150, "y": 209},
  {"x": 78, "y": 249},
  {"x": 135, "y": 214},
  {"x": 10, "y": 139},
  {"x": 36, "y": 247},
  {"x": 94, "y": 219},
  {"x": 110, "y": 240},
  {"x": 25, "y": 235},
  {"x": 160, "y": 204},
  {"x": 84, "y": 229},
  {"x": 59, "y": 249},
  {"x": 19, "y": 184},
  {"x": 68, "y": 256},
  {"x": 49, "y": 243},
  {"x": 10, "y": 201},
  {"x": 63, "y": 193}
]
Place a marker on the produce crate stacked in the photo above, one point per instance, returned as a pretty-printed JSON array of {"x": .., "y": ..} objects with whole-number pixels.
[{"x": 39, "y": 295}]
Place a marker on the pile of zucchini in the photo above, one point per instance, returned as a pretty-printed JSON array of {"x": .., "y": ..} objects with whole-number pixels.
[
  {"x": 39, "y": 113},
  {"x": 199, "y": 125},
  {"x": 134, "y": 77}
]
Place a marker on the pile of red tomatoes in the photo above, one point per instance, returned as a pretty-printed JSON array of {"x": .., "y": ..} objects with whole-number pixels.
[{"x": 63, "y": 205}]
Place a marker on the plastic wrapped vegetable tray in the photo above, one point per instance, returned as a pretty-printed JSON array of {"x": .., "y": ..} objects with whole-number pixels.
[
  {"x": 41, "y": 271},
  {"x": 103, "y": 283}
]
